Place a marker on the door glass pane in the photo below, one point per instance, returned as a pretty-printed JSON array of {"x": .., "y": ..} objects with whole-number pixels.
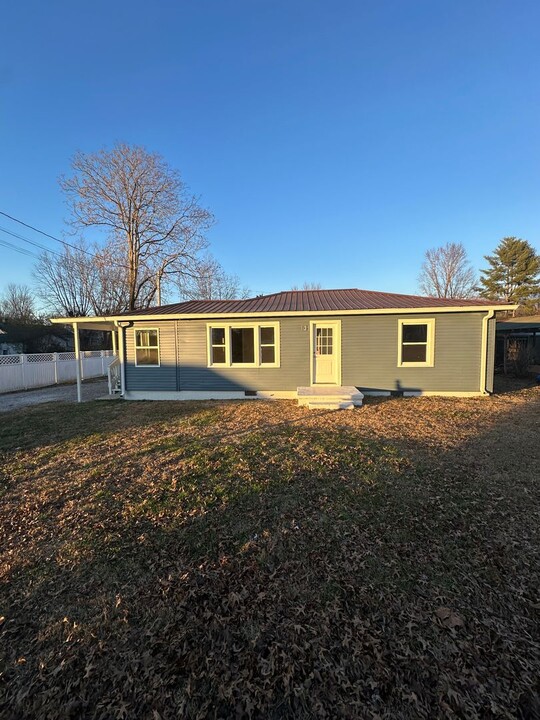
[
  {"x": 324, "y": 341},
  {"x": 242, "y": 345}
]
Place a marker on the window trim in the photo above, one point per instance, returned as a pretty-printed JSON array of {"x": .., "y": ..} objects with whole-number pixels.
[
  {"x": 228, "y": 326},
  {"x": 146, "y": 347},
  {"x": 430, "y": 342}
]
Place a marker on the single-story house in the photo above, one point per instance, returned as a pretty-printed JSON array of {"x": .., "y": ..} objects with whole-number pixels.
[{"x": 298, "y": 343}]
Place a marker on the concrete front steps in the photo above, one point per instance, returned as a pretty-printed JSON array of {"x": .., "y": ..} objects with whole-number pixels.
[{"x": 329, "y": 398}]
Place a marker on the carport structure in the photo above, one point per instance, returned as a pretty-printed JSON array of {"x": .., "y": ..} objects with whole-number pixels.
[
  {"x": 524, "y": 329},
  {"x": 116, "y": 328}
]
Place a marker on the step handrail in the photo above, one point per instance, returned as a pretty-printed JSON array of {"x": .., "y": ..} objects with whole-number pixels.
[{"x": 113, "y": 377}]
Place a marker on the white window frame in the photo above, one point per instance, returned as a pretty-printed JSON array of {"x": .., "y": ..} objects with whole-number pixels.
[
  {"x": 430, "y": 342},
  {"x": 228, "y": 326},
  {"x": 146, "y": 347}
]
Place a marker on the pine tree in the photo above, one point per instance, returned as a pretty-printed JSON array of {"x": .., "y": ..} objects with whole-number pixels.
[{"x": 513, "y": 274}]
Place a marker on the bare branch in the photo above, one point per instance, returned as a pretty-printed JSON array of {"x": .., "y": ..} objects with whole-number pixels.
[
  {"x": 447, "y": 273},
  {"x": 209, "y": 281},
  {"x": 146, "y": 210},
  {"x": 17, "y": 304}
]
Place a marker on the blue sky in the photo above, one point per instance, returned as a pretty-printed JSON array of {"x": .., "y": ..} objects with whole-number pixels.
[{"x": 334, "y": 141}]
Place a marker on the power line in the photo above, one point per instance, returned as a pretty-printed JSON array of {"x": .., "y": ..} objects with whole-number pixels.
[
  {"x": 31, "y": 242},
  {"x": 52, "y": 237},
  {"x": 22, "y": 251},
  {"x": 41, "y": 232}
]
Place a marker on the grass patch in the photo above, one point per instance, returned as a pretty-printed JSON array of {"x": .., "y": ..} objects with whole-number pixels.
[{"x": 259, "y": 560}]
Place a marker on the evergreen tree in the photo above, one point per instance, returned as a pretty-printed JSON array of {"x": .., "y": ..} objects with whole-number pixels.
[{"x": 513, "y": 274}]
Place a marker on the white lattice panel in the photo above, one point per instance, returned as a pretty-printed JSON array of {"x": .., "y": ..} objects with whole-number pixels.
[
  {"x": 40, "y": 357},
  {"x": 10, "y": 359}
]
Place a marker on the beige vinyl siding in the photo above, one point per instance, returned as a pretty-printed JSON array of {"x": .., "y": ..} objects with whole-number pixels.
[
  {"x": 193, "y": 373},
  {"x": 369, "y": 356},
  {"x": 152, "y": 378},
  {"x": 370, "y": 350}
]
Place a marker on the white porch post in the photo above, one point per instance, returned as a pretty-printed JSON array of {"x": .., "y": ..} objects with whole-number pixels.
[
  {"x": 114, "y": 350},
  {"x": 78, "y": 361},
  {"x": 122, "y": 358}
]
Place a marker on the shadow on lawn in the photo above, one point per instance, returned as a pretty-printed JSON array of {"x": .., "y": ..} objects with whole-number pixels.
[
  {"x": 37, "y": 426},
  {"x": 302, "y": 577}
]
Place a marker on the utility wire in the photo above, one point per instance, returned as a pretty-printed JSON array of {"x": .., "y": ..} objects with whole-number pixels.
[
  {"x": 25, "y": 251},
  {"x": 52, "y": 237},
  {"x": 42, "y": 232},
  {"x": 22, "y": 251},
  {"x": 30, "y": 242}
]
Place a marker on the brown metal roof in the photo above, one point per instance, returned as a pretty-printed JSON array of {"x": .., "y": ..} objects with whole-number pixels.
[{"x": 308, "y": 301}]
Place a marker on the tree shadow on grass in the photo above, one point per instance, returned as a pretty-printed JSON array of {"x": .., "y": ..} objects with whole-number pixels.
[{"x": 292, "y": 573}]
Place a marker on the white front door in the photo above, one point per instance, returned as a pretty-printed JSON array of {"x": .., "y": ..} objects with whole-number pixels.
[{"x": 326, "y": 353}]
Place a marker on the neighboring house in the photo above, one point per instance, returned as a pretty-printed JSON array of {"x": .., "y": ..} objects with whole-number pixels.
[
  {"x": 7, "y": 346},
  {"x": 524, "y": 329},
  {"x": 17, "y": 339},
  {"x": 314, "y": 340}
]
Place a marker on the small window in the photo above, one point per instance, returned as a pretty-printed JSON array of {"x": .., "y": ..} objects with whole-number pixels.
[
  {"x": 268, "y": 345},
  {"x": 416, "y": 343},
  {"x": 147, "y": 348},
  {"x": 218, "y": 346}
]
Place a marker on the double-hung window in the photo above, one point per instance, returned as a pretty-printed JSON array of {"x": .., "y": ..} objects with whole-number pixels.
[
  {"x": 147, "y": 347},
  {"x": 247, "y": 345},
  {"x": 416, "y": 343}
]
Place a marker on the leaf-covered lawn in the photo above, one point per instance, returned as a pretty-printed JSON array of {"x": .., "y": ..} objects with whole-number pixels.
[{"x": 259, "y": 560}]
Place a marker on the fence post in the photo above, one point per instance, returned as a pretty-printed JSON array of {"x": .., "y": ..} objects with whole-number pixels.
[
  {"x": 23, "y": 374},
  {"x": 103, "y": 362},
  {"x": 55, "y": 361}
]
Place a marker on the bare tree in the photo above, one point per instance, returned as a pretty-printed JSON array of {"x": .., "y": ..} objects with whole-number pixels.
[
  {"x": 63, "y": 283},
  {"x": 209, "y": 281},
  {"x": 447, "y": 273},
  {"x": 308, "y": 286},
  {"x": 110, "y": 293},
  {"x": 18, "y": 304},
  {"x": 146, "y": 210},
  {"x": 81, "y": 281}
]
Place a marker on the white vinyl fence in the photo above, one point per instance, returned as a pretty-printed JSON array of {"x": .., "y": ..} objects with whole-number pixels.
[{"x": 20, "y": 372}]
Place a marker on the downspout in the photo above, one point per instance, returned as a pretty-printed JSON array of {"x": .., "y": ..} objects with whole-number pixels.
[
  {"x": 78, "y": 361},
  {"x": 483, "y": 362}
]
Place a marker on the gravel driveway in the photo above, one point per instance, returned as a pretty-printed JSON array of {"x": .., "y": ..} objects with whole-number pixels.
[{"x": 91, "y": 390}]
